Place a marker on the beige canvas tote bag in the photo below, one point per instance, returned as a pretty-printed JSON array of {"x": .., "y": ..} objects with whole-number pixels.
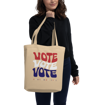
[{"x": 43, "y": 65}]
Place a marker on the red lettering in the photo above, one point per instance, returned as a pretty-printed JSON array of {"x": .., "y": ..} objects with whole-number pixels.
[
  {"x": 37, "y": 58},
  {"x": 54, "y": 56},
  {"x": 54, "y": 59},
  {"x": 49, "y": 54},
  {"x": 44, "y": 59}
]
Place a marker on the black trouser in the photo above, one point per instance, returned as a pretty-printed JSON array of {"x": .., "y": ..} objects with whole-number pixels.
[{"x": 59, "y": 98}]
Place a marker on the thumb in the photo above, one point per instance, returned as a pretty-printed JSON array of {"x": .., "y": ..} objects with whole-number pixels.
[{"x": 72, "y": 82}]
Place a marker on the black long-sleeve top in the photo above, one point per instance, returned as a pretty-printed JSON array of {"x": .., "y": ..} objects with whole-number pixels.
[{"x": 63, "y": 30}]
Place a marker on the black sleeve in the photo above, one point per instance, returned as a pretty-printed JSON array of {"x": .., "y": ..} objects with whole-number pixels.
[
  {"x": 45, "y": 33},
  {"x": 74, "y": 66}
]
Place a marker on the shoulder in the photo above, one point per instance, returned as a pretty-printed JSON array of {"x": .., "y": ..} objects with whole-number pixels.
[
  {"x": 33, "y": 19},
  {"x": 36, "y": 19},
  {"x": 69, "y": 20},
  {"x": 68, "y": 24}
]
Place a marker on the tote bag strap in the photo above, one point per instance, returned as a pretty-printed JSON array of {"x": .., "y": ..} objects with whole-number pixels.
[{"x": 37, "y": 30}]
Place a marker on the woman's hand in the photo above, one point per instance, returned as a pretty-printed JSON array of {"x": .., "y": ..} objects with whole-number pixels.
[
  {"x": 50, "y": 14},
  {"x": 76, "y": 81}
]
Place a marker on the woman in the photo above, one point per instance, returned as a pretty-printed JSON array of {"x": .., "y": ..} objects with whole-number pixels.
[{"x": 56, "y": 11}]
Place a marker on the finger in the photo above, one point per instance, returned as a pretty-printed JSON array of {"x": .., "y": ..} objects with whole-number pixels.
[{"x": 74, "y": 82}]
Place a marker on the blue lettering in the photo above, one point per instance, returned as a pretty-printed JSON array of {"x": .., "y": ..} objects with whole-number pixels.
[{"x": 52, "y": 72}]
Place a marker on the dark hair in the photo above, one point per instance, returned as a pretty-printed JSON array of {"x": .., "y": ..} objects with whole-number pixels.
[{"x": 59, "y": 11}]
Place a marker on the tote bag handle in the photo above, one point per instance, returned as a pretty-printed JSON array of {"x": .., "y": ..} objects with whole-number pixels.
[{"x": 37, "y": 30}]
